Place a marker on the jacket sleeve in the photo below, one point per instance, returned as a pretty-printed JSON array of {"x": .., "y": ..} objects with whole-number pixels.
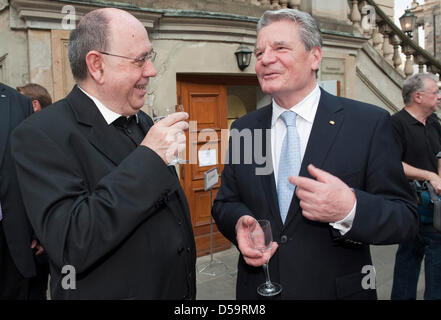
[{"x": 386, "y": 211}]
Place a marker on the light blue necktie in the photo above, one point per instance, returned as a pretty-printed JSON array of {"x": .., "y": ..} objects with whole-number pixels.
[{"x": 289, "y": 163}]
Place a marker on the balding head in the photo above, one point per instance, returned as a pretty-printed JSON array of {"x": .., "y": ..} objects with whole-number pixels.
[
  {"x": 118, "y": 14},
  {"x": 94, "y": 32},
  {"x": 123, "y": 26},
  {"x": 110, "y": 55}
]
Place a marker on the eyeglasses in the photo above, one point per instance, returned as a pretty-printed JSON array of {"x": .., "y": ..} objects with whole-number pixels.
[
  {"x": 431, "y": 92},
  {"x": 138, "y": 61}
]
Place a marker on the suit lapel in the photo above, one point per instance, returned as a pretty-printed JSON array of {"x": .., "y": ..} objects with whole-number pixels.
[
  {"x": 327, "y": 123},
  {"x": 5, "y": 113},
  {"x": 99, "y": 133}
]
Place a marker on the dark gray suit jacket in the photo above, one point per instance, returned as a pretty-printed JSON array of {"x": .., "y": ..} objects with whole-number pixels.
[
  {"x": 353, "y": 141},
  {"x": 14, "y": 107}
]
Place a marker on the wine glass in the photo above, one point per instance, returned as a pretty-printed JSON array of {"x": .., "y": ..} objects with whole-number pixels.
[
  {"x": 262, "y": 238},
  {"x": 178, "y": 159},
  {"x": 158, "y": 115}
]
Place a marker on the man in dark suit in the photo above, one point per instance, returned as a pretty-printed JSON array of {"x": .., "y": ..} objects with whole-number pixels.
[
  {"x": 336, "y": 183},
  {"x": 16, "y": 257},
  {"x": 110, "y": 213}
]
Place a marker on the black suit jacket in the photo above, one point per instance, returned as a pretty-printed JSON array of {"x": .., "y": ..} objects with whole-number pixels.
[
  {"x": 14, "y": 107},
  {"x": 121, "y": 221},
  {"x": 313, "y": 260}
]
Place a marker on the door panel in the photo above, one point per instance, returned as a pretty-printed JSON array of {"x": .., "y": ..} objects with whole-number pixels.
[
  {"x": 62, "y": 75},
  {"x": 206, "y": 105}
]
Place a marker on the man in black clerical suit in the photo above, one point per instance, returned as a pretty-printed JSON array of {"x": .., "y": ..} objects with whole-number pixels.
[
  {"x": 109, "y": 212},
  {"x": 17, "y": 263}
]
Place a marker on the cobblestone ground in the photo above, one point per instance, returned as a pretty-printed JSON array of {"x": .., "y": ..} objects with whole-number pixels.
[{"x": 216, "y": 276}]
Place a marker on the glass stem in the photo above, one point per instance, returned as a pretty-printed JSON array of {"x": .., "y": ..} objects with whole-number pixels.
[{"x": 267, "y": 276}]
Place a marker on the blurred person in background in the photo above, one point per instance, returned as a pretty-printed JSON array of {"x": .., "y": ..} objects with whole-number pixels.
[{"x": 38, "y": 94}]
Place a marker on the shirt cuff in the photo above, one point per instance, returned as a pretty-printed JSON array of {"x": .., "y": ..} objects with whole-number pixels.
[{"x": 344, "y": 225}]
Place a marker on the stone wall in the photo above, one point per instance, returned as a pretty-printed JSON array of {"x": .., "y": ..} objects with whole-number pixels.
[
  {"x": 388, "y": 7},
  {"x": 432, "y": 27},
  {"x": 193, "y": 42},
  {"x": 14, "y": 58}
]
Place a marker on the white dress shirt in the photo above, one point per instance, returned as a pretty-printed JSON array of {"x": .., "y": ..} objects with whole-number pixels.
[
  {"x": 306, "y": 111},
  {"x": 107, "y": 114}
]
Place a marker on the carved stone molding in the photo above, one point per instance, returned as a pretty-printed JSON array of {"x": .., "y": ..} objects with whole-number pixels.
[
  {"x": 3, "y": 4},
  {"x": 44, "y": 14},
  {"x": 161, "y": 23}
]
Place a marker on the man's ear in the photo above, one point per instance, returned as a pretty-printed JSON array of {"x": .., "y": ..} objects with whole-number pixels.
[
  {"x": 316, "y": 56},
  {"x": 94, "y": 62},
  {"x": 417, "y": 97},
  {"x": 36, "y": 105}
]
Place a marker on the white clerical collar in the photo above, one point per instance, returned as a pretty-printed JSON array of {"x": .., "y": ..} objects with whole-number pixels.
[
  {"x": 307, "y": 108},
  {"x": 108, "y": 115}
]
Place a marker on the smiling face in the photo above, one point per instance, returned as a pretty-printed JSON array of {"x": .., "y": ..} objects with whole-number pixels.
[
  {"x": 285, "y": 70},
  {"x": 125, "y": 81}
]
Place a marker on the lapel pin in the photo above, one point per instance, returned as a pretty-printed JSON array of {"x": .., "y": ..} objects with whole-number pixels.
[
  {"x": 3, "y": 96},
  {"x": 332, "y": 122}
]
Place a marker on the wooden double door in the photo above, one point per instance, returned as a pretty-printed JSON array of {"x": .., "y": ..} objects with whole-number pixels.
[{"x": 207, "y": 107}]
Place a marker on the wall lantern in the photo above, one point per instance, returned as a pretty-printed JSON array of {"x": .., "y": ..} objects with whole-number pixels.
[
  {"x": 408, "y": 21},
  {"x": 243, "y": 56}
]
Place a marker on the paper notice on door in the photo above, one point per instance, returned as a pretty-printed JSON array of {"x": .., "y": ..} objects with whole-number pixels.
[{"x": 207, "y": 157}]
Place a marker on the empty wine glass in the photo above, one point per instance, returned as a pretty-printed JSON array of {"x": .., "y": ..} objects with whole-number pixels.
[
  {"x": 158, "y": 115},
  {"x": 178, "y": 159},
  {"x": 262, "y": 238}
]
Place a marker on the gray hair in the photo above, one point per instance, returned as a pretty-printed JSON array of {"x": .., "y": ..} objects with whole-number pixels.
[
  {"x": 92, "y": 33},
  {"x": 309, "y": 31},
  {"x": 415, "y": 83}
]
